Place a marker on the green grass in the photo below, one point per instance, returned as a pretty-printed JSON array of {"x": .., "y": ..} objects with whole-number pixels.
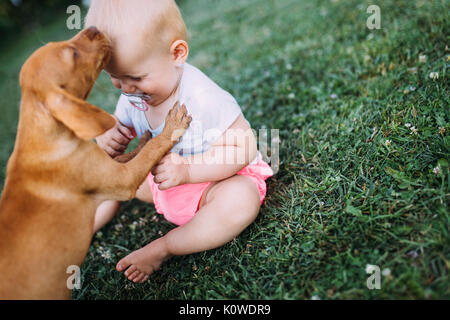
[{"x": 343, "y": 197}]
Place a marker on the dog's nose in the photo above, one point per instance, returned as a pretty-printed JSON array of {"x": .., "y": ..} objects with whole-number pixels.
[{"x": 91, "y": 32}]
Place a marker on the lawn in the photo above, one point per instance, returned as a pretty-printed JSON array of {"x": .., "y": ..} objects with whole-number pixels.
[{"x": 363, "y": 119}]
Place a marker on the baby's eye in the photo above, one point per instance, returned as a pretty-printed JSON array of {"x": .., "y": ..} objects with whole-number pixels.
[
  {"x": 135, "y": 79},
  {"x": 109, "y": 74}
]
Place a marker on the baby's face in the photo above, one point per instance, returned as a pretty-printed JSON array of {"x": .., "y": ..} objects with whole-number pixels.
[{"x": 152, "y": 73}]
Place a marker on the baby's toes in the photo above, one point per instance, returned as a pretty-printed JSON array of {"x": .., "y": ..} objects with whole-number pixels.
[
  {"x": 129, "y": 271},
  {"x": 139, "y": 278},
  {"x": 144, "y": 279},
  {"x": 134, "y": 275}
]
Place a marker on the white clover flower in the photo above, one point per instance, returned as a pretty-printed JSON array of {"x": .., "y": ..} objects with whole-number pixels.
[
  {"x": 387, "y": 143},
  {"x": 333, "y": 96},
  {"x": 386, "y": 272},
  {"x": 412, "y": 254},
  {"x": 409, "y": 89},
  {"x": 315, "y": 298},
  {"x": 291, "y": 95},
  {"x": 128, "y": 286},
  {"x": 413, "y": 130},
  {"x": 437, "y": 170},
  {"x": 104, "y": 253},
  {"x": 142, "y": 222},
  {"x": 422, "y": 58},
  {"x": 289, "y": 66},
  {"x": 407, "y": 125},
  {"x": 434, "y": 75}
]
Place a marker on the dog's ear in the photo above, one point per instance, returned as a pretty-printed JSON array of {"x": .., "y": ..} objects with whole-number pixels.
[{"x": 84, "y": 119}]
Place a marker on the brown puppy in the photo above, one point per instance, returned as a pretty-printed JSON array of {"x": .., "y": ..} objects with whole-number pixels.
[{"x": 56, "y": 176}]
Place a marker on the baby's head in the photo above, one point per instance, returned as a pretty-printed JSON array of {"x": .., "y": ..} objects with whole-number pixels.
[{"x": 148, "y": 39}]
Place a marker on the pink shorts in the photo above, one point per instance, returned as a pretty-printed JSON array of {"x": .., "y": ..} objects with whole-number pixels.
[{"x": 179, "y": 204}]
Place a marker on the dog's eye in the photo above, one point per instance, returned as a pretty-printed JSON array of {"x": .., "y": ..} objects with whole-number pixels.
[{"x": 75, "y": 52}]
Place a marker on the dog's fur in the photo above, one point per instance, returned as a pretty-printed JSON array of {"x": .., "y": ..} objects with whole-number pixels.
[{"x": 56, "y": 176}]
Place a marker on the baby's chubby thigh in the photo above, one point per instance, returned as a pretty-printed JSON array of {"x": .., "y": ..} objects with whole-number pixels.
[{"x": 236, "y": 199}]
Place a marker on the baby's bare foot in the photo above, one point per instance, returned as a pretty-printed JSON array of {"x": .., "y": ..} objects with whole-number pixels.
[{"x": 140, "y": 264}]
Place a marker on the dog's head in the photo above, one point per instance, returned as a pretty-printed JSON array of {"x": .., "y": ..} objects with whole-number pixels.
[{"x": 61, "y": 75}]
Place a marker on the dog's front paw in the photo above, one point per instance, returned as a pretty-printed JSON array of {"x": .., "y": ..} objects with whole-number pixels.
[{"x": 177, "y": 121}]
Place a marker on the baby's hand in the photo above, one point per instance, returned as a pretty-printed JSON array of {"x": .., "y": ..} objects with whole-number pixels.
[
  {"x": 115, "y": 141},
  {"x": 171, "y": 171}
]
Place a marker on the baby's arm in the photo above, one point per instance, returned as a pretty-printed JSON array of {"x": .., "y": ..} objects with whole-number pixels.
[
  {"x": 226, "y": 156},
  {"x": 234, "y": 150}
]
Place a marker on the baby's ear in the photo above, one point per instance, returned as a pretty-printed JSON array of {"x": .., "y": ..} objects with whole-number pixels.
[
  {"x": 180, "y": 51},
  {"x": 84, "y": 119}
]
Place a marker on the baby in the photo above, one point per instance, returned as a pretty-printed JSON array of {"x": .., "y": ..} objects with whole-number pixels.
[{"x": 212, "y": 183}]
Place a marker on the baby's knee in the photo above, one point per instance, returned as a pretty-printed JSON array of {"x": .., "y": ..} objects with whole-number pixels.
[
  {"x": 105, "y": 212},
  {"x": 108, "y": 208},
  {"x": 144, "y": 193},
  {"x": 243, "y": 199}
]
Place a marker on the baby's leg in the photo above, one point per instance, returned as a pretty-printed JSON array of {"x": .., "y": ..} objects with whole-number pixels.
[
  {"x": 230, "y": 206},
  {"x": 107, "y": 209},
  {"x": 144, "y": 193},
  {"x": 105, "y": 212}
]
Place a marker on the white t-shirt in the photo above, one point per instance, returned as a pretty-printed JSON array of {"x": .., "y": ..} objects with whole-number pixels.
[{"x": 212, "y": 109}]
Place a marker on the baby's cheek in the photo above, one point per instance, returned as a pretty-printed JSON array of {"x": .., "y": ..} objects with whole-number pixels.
[
  {"x": 146, "y": 86},
  {"x": 116, "y": 83}
]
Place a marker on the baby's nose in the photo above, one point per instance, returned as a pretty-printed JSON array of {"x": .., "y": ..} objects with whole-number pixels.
[{"x": 127, "y": 88}]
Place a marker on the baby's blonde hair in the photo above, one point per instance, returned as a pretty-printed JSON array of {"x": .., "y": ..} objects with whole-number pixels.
[{"x": 158, "y": 22}]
